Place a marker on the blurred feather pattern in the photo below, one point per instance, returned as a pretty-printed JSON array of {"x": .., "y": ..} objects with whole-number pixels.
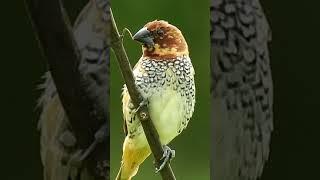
[
  {"x": 242, "y": 89},
  {"x": 57, "y": 139}
]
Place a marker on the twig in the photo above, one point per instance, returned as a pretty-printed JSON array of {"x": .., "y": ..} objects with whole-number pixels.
[{"x": 143, "y": 113}]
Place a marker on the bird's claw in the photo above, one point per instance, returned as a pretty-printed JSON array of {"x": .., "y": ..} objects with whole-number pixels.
[
  {"x": 143, "y": 102},
  {"x": 168, "y": 155}
]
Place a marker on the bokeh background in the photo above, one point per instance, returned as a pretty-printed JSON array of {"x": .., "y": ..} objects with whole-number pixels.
[
  {"x": 295, "y": 64},
  {"x": 192, "y": 145}
]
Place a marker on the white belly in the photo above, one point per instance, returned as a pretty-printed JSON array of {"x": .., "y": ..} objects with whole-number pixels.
[{"x": 167, "y": 113}]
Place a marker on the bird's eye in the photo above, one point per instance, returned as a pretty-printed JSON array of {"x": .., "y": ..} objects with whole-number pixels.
[{"x": 160, "y": 32}]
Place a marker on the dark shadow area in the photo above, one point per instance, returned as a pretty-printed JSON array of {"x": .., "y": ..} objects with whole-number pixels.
[{"x": 295, "y": 66}]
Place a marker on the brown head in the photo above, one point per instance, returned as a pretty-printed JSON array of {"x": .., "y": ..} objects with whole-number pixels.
[{"x": 161, "y": 40}]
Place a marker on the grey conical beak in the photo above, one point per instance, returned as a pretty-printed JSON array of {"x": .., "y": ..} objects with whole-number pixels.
[{"x": 144, "y": 36}]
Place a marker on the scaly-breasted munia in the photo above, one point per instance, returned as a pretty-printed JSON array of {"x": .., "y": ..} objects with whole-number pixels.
[{"x": 164, "y": 75}]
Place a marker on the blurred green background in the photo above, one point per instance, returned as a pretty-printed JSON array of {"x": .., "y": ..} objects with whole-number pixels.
[{"x": 192, "y": 146}]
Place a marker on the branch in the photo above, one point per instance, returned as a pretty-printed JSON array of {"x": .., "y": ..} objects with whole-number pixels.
[
  {"x": 143, "y": 113},
  {"x": 54, "y": 32}
]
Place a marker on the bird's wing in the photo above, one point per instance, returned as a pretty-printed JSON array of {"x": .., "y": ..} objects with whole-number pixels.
[
  {"x": 126, "y": 110},
  {"x": 53, "y": 123},
  {"x": 127, "y": 106},
  {"x": 242, "y": 92}
]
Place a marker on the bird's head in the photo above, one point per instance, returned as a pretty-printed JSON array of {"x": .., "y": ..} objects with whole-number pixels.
[{"x": 161, "y": 40}]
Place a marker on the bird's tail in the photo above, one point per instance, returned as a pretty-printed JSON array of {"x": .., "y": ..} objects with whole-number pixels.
[{"x": 131, "y": 159}]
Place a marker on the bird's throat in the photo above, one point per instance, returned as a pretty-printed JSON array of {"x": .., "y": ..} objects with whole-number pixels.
[{"x": 162, "y": 53}]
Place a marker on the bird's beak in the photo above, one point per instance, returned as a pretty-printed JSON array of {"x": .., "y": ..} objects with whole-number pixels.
[{"x": 144, "y": 36}]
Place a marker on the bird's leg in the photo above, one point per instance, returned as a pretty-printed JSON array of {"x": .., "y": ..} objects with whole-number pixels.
[
  {"x": 78, "y": 157},
  {"x": 168, "y": 155},
  {"x": 143, "y": 102}
]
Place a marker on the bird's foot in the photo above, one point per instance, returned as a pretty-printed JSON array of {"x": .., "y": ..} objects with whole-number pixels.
[
  {"x": 143, "y": 103},
  {"x": 168, "y": 155}
]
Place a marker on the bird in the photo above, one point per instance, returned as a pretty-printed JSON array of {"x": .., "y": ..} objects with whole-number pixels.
[
  {"x": 164, "y": 76},
  {"x": 57, "y": 140},
  {"x": 241, "y": 89}
]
